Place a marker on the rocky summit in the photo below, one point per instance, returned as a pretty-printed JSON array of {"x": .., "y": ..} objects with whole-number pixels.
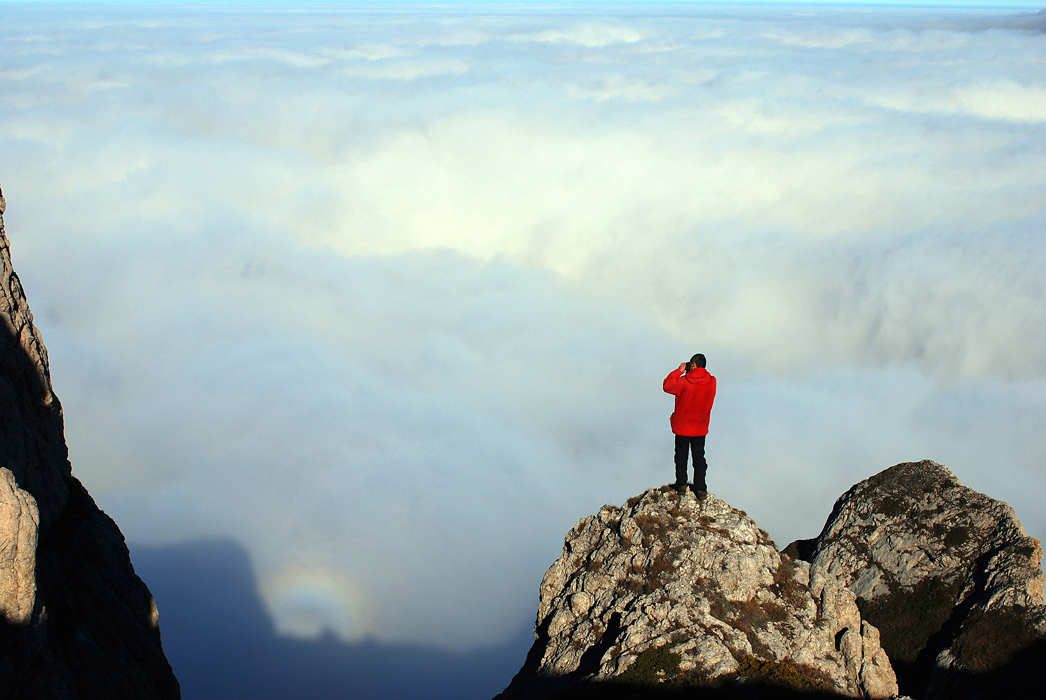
[
  {"x": 674, "y": 592},
  {"x": 916, "y": 585},
  {"x": 75, "y": 620},
  {"x": 949, "y": 577}
]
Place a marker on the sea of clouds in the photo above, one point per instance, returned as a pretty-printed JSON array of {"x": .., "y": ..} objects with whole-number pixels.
[{"x": 385, "y": 294}]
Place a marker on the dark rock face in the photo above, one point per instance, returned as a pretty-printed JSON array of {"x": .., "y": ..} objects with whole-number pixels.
[
  {"x": 75, "y": 620},
  {"x": 949, "y": 577}
]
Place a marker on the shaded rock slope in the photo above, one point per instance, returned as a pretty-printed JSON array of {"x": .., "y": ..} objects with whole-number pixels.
[
  {"x": 75, "y": 620},
  {"x": 949, "y": 577},
  {"x": 916, "y": 585}
]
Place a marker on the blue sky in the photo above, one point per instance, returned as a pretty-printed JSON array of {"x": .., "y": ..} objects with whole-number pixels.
[{"x": 386, "y": 295}]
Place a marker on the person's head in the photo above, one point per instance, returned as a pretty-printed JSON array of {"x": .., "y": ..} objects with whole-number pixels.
[{"x": 696, "y": 361}]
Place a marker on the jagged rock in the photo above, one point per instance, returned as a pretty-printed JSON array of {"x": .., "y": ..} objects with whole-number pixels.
[
  {"x": 700, "y": 581},
  {"x": 19, "y": 528},
  {"x": 32, "y": 438},
  {"x": 913, "y": 572},
  {"x": 75, "y": 620},
  {"x": 947, "y": 574}
]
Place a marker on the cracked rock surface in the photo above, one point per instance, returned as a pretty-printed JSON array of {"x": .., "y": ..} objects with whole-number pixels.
[{"x": 702, "y": 581}]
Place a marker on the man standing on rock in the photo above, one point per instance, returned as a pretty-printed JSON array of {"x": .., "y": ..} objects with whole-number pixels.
[{"x": 694, "y": 389}]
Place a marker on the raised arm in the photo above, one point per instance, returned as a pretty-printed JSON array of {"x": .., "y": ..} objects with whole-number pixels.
[{"x": 672, "y": 385}]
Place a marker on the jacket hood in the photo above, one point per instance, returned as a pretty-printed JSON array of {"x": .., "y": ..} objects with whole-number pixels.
[{"x": 699, "y": 376}]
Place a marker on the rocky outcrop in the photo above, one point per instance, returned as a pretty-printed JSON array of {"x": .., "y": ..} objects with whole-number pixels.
[
  {"x": 75, "y": 620},
  {"x": 913, "y": 574},
  {"x": 949, "y": 577},
  {"x": 670, "y": 591}
]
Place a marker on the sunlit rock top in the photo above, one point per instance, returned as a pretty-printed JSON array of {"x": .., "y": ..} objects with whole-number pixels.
[{"x": 677, "y": 591}]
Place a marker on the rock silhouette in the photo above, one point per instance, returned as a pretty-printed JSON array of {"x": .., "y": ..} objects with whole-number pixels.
[
  {"x": 915, "y": 578},
  {"x": 75, "y": 620}
]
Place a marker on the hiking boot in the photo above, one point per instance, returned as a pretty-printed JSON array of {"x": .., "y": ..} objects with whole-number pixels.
[
  {"x": 680, "y": 487},
  {"x": 702, "y": 495}
]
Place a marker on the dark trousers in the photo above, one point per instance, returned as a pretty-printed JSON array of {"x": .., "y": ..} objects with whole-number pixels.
[{"x": 684, "y": 445}]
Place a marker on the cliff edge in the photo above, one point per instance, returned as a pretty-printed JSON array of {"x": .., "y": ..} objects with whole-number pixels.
[{"x": 75, "y": 620}]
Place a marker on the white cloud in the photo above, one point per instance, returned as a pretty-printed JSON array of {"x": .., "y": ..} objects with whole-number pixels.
[
  {"x": 368, "y": 52},
  {"x": 618, "y": 87},
  {"x": 1006, "y": 100},
  {"x": 295, "y": 59},
  {"x": 590, "y": 35},
  {"x": 409, "y": 70}
]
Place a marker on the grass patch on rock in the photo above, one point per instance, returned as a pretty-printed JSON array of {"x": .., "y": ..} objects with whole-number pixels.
[
  {"x": 991, "y": 638},
  {"x": 784, "y": 675},
  {"x": 907, "y": 619},
  {"x": 787, "y": 587},
  {"x": 652, "y": 667}
]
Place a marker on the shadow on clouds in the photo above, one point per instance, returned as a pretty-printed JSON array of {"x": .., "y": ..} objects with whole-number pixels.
[{"x": 222, "y": 643}]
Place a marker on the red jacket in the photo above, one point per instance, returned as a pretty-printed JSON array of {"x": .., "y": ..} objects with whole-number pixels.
[{"x": 694, "y": 392}]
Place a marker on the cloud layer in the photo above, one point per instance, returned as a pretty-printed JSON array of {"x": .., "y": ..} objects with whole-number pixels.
[{"x": 387, "y": 295}]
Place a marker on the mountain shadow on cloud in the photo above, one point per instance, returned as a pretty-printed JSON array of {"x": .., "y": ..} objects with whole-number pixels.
[{"x": 223, "y": 646}]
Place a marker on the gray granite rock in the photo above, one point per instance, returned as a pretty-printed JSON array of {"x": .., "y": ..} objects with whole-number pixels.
[
  {"x": 947, "y": 574},
  {"x": 915, "y": 578},
  {"x": 699, "y": 580},
  {"x": 75, "y": 620}
]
